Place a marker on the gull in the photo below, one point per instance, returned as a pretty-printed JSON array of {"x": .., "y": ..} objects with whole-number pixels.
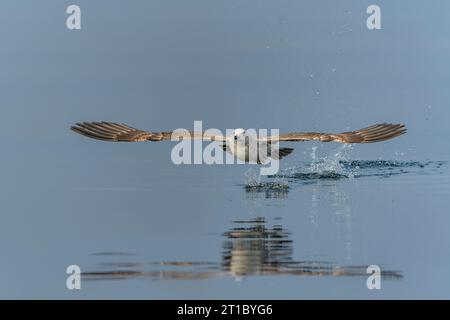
[{"x": 240, "y": 144}]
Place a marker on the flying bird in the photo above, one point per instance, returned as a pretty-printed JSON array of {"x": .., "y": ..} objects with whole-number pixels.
[{"x": 239, "y": 144}]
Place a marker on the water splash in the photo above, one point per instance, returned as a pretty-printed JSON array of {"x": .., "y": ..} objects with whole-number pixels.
[
  {"x": 330, "y": 165},
  {"x": 335, "y": 165},
  {"x": 338, "y": 165},
  {"x": 254, "y": 183},
  {"x": 322, "y": 167},
  {"x": 252, "y": 177}
]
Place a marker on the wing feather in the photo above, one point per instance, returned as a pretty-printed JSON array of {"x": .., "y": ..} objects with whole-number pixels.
[
  {"x": 111, "y": 131},
  {"x": 375, "y": 133}
]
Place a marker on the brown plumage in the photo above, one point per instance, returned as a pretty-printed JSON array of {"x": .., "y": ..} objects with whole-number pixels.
[
  {"x": 375, "y": 133},
  {"x": 110, "y": 131}
]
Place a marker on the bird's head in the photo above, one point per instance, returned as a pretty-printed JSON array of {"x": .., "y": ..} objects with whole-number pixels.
[{"x": 238, "y": 133}]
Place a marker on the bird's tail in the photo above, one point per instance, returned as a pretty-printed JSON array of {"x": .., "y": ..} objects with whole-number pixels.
[{"x": 279, "y": 154}]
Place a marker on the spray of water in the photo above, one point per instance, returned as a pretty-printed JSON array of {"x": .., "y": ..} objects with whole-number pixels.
[
  {"x": 252, "y": 178},
  {"x": 331, "y": 164},
  {"x": 255, "y": 182},
  {"x": 338, "y": 164},
  {"x": 334, "y": 165}
]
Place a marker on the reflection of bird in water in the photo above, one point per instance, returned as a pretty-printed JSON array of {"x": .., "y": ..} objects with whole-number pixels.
[
  {"x": 250, "y": 248},
  {"x": 255, "y": 249}
]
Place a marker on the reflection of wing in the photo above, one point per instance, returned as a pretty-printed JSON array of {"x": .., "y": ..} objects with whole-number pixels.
[
  {"x": 110, "y": 131},
  {"x": 375, "y": 133}
]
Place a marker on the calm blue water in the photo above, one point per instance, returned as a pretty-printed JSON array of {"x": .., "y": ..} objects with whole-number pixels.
[{"x": 141, "y": 227}]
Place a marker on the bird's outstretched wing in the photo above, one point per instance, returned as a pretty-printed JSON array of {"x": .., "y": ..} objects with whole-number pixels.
[
  {"x": 375, "y": 133},
  {"x": 110, "y": 131}
]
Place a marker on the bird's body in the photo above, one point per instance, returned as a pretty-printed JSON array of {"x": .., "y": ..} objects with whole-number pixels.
[
  {"x": 244, "y": 146},
  {"x": 247, "y": 148}
]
